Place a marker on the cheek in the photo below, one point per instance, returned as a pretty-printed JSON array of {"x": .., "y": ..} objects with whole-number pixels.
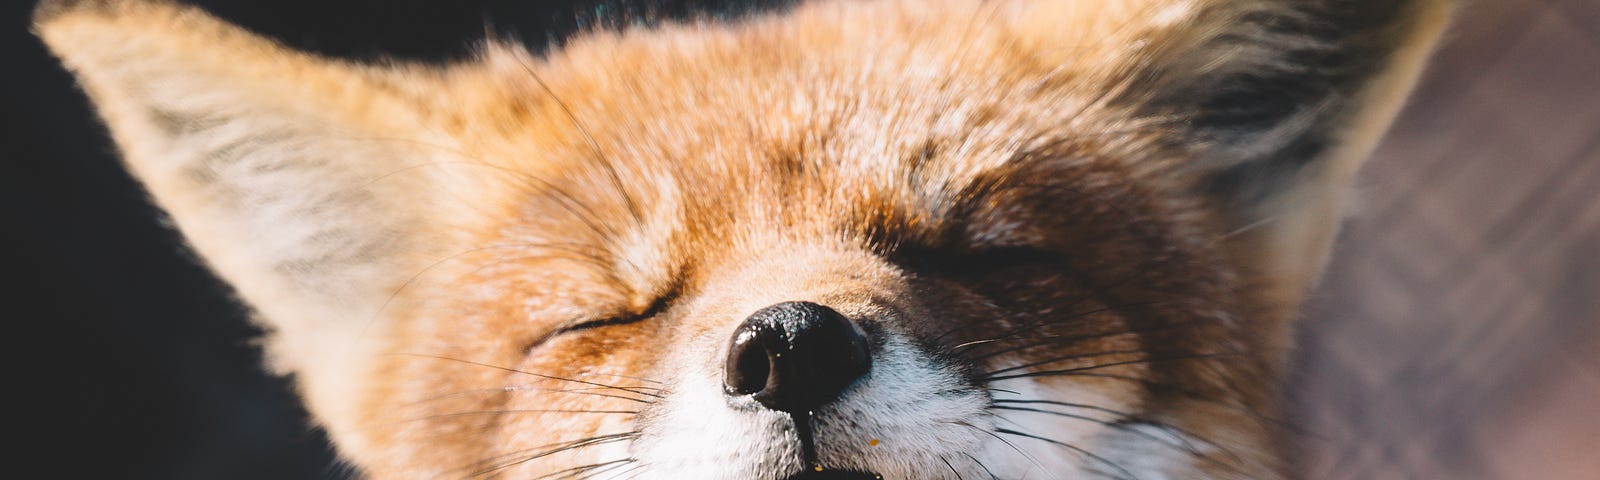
[
  {"x": 431, "y": 408},
  {"x": 1098, "y": 380},
  {"x": 569, "y": 402},
  {"x": 575, "y": 399},
  {"x": 1049, "y": 354},
  {"x": 463, "y": 390},
  {"x": 1078, "y": 352}
]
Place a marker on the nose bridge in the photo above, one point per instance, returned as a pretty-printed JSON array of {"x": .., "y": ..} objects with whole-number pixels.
[{"x": 851, "y": 281}]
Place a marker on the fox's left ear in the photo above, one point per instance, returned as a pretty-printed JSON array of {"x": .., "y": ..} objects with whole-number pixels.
[{"x": 1280, "y": 101}]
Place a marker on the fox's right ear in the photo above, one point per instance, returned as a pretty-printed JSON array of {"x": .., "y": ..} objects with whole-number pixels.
[
  {"x": 1273, "y": 104},
  {"x": 298, "y": 179},
  {"x": 1276, "y": 104}
]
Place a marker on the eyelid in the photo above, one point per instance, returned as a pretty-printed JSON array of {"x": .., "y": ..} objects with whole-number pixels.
[
  {"x": 593, "y": 323},
  {"x": 603, "y": 322},
  {"x": 580, "y": 325},
  {"x": 618, "y": 319}
]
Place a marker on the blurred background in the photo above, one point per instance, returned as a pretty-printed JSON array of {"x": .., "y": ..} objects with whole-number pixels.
[{"x": 1456, "y": 335}]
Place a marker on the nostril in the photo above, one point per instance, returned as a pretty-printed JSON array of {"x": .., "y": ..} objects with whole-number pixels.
[
  {"x": 749, "y": 366},
  {"x": 795, "y": 356}
]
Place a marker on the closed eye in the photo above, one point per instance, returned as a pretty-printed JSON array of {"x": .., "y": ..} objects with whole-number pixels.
[
  {"x": 583, "y": 325},
  {"x": 604, "y": 322},
  {"x": 623, "y": 319}
]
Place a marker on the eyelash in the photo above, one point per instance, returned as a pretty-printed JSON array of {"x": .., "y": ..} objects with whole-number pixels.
[
  {"x": 654, "y": 310},
  {"x": 578, "y": 326},
  {"x": 593, "y": 324}
]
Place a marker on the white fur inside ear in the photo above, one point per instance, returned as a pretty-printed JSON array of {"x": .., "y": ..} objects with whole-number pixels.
[{"x": 282, "y": 170}]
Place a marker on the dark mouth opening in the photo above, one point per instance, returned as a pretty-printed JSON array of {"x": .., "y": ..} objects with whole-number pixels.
[
  {"x": 802, "y": 424},
  {"x": 826, "y": 474}
]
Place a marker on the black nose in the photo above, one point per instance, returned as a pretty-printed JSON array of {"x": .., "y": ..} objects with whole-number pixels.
[{"x": 795, "y": 356}]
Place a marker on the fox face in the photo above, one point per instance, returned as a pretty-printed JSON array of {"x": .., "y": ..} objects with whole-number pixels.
[{"x": 853, "y": 239}]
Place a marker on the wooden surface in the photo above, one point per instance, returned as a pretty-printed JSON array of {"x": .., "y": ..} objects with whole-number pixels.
[{"x": 1457, "y": 333}]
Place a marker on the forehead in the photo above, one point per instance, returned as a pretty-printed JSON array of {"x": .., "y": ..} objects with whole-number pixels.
[
  {"x": 707, "y": 134},
  {"x": 838, "y": 172}
]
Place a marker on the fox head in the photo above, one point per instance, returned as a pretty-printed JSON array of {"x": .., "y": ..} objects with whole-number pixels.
[{"x": 854, "y": 239}]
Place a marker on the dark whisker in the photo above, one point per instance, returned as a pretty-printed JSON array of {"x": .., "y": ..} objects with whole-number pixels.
[
  {"x": 591, "y": 469},
  {"x": 951, "y": 467},
  {"x": 1051, "y": 320},
  {"x": 633, "y": 471},
  {"x": 1119, "y": 424},
  {"x": 631, "y": 377},
  {"x": 1063, "y": 340},
  {"x": 556, "y": 448},
  {"x": 1072, "y": 371},
  {"x": 1007, "y": 443},
  {"x": 1181, "y": 443},
  {"x": 1284, "y": 424},
  {"x": 1012, "y": 332},
  {"x": 1025, "y": 366},
  {"x": 1064, "y": 404},
  {"x": 527, "y": 387},
  {"x": 1087, "y": 454},
  {"x": 516, "y": 411},
  {"x": 598, "y": 471},
  {"x": 1053, "y": 412},
  {"x": 1122, "y": 416},
  {"x": 1028, "y": 327},
  {"x": 981, "y": 465}
]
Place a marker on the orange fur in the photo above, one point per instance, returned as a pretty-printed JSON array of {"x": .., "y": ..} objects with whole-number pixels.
[{"x": 424, "y": 235}]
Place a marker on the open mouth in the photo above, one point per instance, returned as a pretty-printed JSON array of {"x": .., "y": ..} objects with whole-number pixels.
[{"x": 825, "y": 474}]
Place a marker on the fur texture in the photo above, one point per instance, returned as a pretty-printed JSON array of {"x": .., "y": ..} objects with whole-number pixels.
[{"x": 1075, "y": 232}]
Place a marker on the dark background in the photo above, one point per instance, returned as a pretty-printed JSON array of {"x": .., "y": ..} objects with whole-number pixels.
[{"x": 1457, "y": 334}]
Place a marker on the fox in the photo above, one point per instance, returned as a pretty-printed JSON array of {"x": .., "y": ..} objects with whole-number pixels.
[{"x": 846, "y": 239}]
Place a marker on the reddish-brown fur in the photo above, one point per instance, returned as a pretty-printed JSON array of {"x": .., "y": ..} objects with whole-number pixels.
[{"x": 948, "y": 174}]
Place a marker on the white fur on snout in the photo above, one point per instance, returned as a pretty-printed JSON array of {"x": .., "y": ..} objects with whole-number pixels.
[
  {"x": 905, "y": 419},
  {"x": 910, "y": 418},
  {"x": 697, "y": 432}
]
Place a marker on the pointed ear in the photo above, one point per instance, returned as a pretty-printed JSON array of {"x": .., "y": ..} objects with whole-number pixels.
[
  {"x": 282, "y": 170},
  {"x": 1280, "y": 102}
]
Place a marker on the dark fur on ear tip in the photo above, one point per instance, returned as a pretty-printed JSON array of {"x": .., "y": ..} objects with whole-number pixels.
[
  {"x": 49, "y": 10},
  {"x": 1275, "y": 121}
]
